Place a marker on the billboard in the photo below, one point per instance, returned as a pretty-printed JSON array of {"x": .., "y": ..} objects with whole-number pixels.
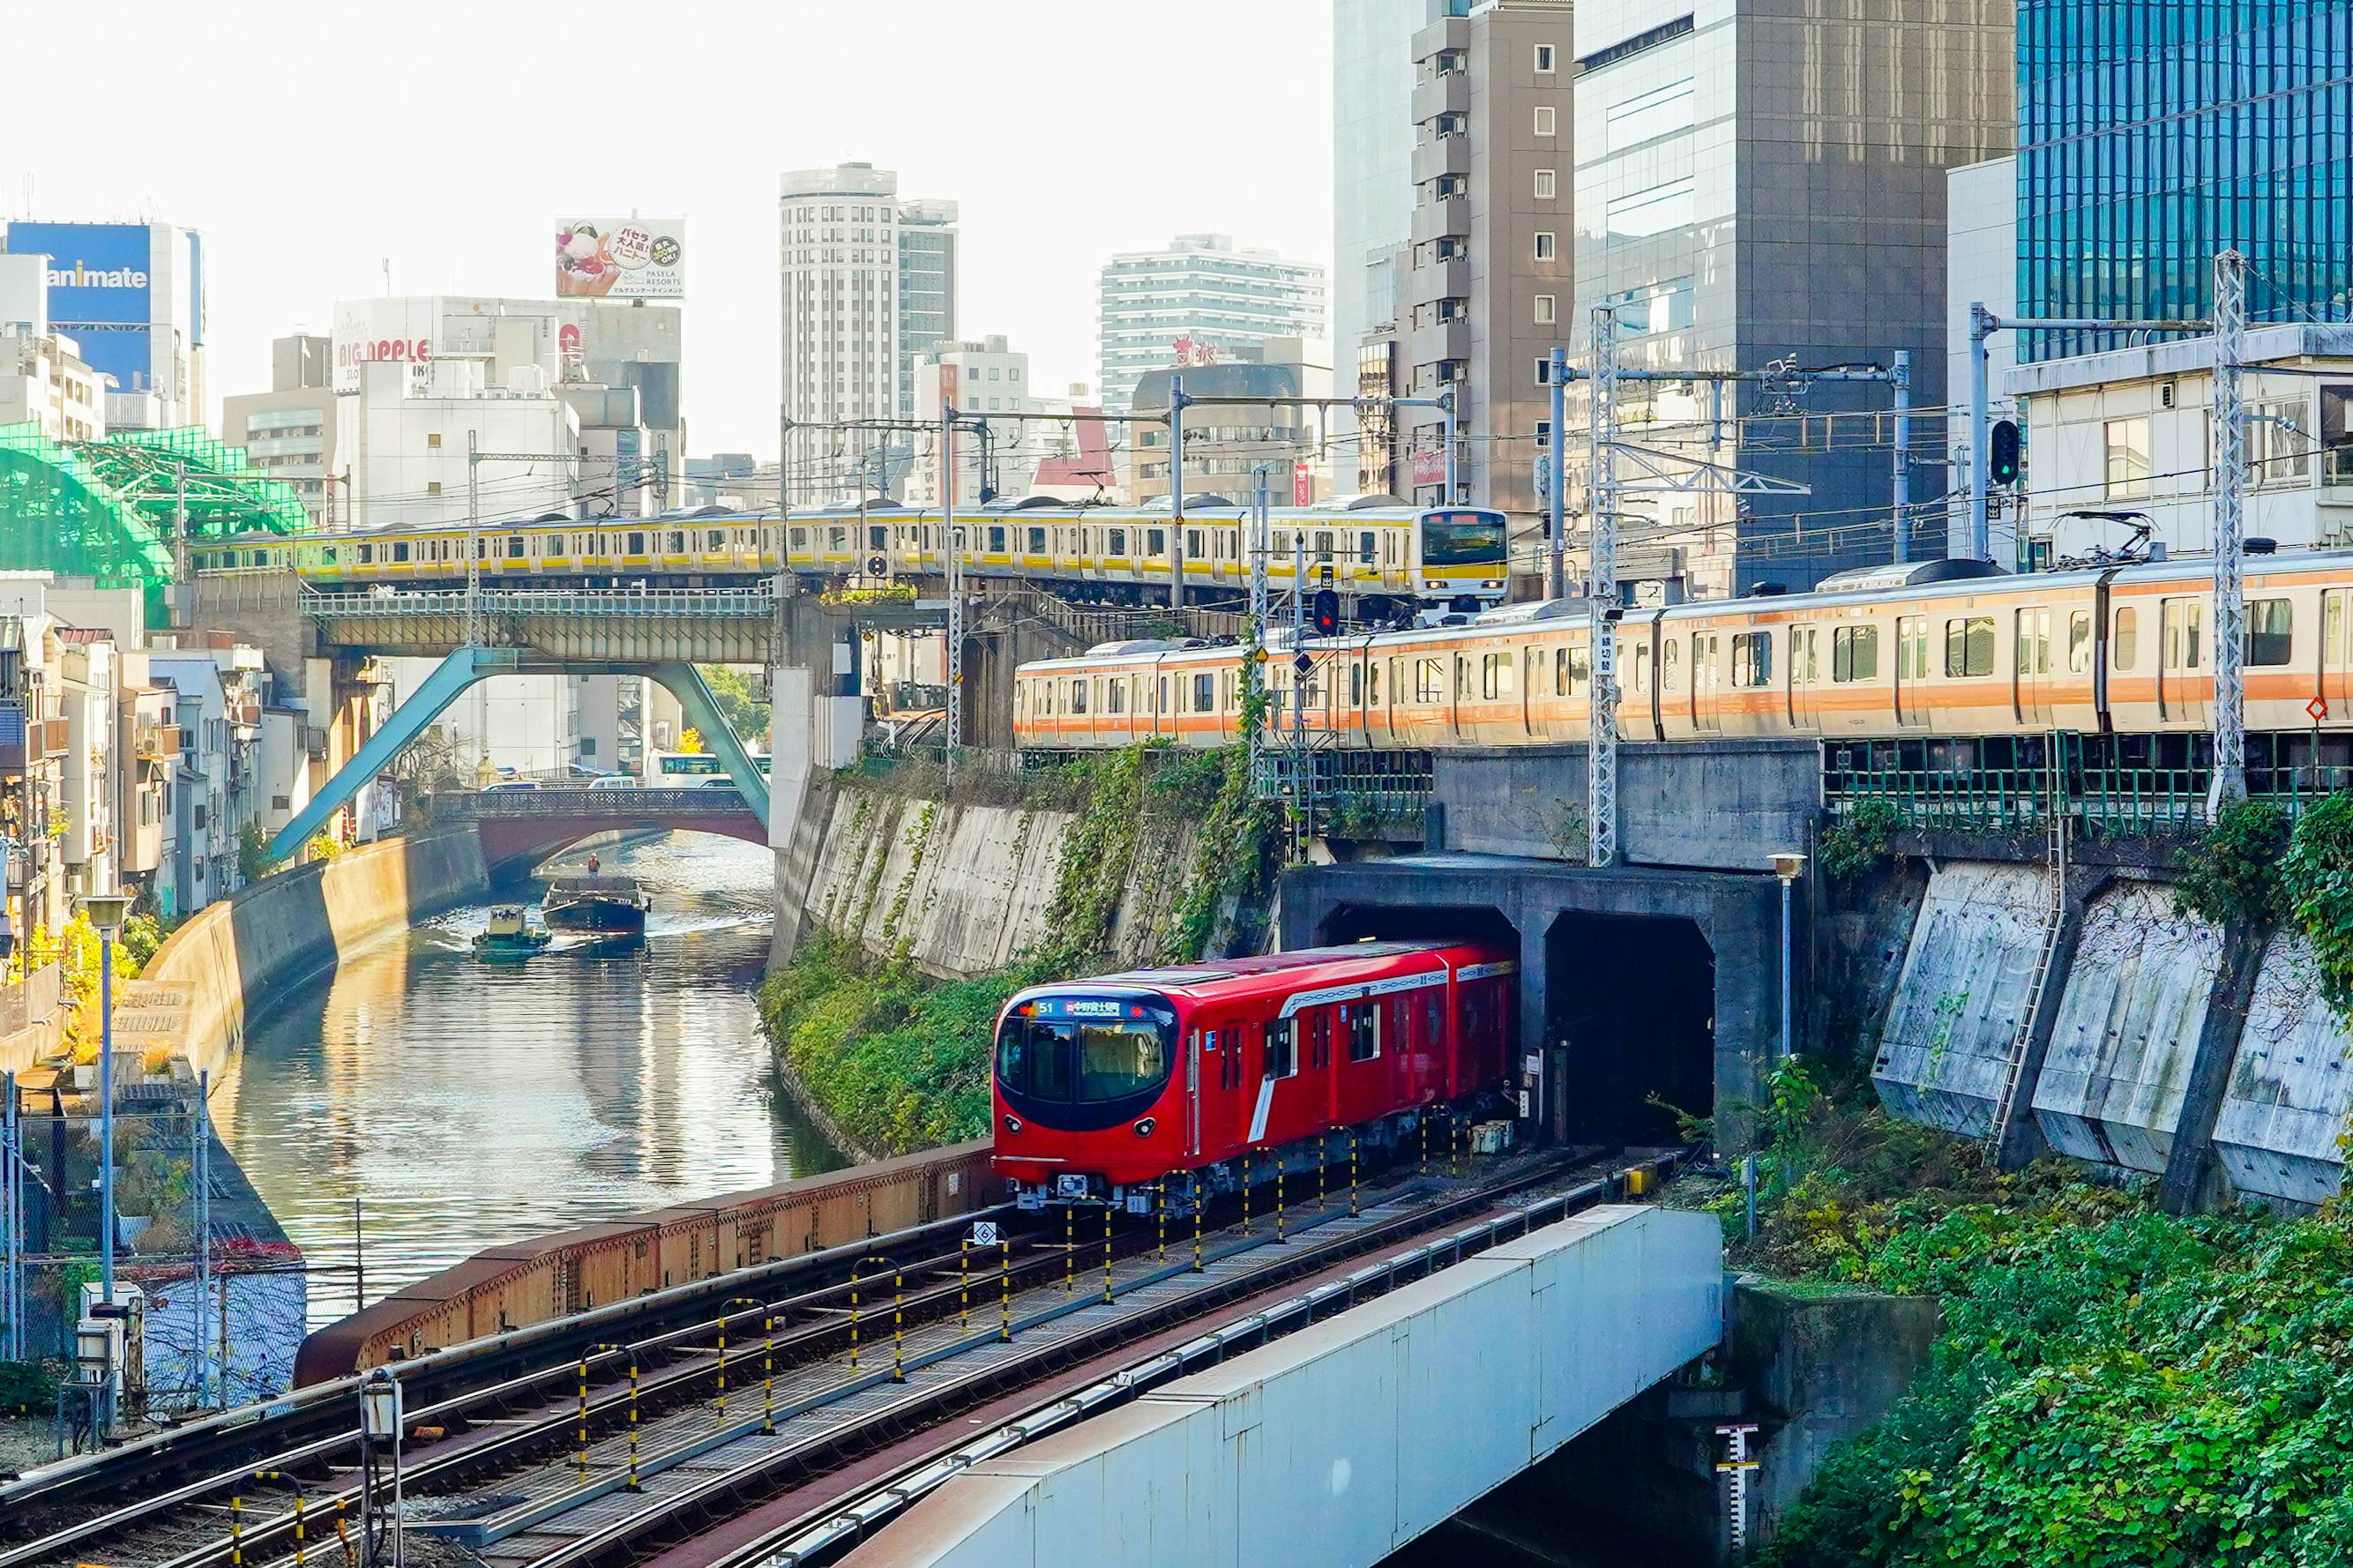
[
  {"x": 100, "y": 292},
  {"x": 620, "y": 258}
]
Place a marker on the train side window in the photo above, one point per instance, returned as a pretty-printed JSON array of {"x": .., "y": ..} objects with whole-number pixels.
[
  {"x": 2033, "y": 646},
  {"x": 1670, "y": 655},
  {"x": 1463, "y": 684},
  {"x": 2183, "y": 625},
  {"x": 514, "y": 549},
  {"x": 1282, "y": 1047},
  {"x": 1155, "y": 542},
  {"x": 1162, "y": 706},
  {"x": 1204, "y": 692},
  {"x": 1969, "y": 646},
  {"x": 1561, "y": 685},
  {"x": 1495, "y": 675},
  {"x": 1372, "y": 683},
  {"x": 1805, "y": 655},
  {"x": 1360, "y": 1025},
  {"x": 1355, "y": 686},
  {"x": 1115, "y": 699},
  {"x": 877, "y": 537},
  {"x": 1855, "y": 653},
  {"x": 2271, "y": 631},
  {"x": 1079, "y": 695},
  {"x": 2079, "y": 643},
  {"x": 1118, "y": 537},
  {"x": 367, "y": 555},
  {"x": 1428, "y": 680},
  {"x": 1642, "y": 667},
  {"x": 1752, "y": 658},
  {"x": 1364, "y": 549}
]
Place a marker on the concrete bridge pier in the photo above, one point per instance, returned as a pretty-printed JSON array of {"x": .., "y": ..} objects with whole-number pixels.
[{"x": 815, "y": 724}]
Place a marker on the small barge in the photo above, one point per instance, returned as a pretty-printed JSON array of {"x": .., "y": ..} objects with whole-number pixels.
[
  {"x": 596, "y": 903},
  {"x": 509, "y": 936}
]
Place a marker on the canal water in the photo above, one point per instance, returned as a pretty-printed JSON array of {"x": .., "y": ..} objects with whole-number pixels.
[{"x": 465, "y": 1104}]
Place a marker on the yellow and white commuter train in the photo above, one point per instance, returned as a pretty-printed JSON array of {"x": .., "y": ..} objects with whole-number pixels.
[
  {"x": 1389, "y": 556},
  {"x": 1945, "y": 648}
]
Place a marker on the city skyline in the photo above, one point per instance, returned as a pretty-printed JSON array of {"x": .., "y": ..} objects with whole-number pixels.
[{"x": 312, "y": 222}]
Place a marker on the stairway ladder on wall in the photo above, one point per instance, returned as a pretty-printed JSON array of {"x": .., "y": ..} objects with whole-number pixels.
[{"x": 2055, "y": 854}]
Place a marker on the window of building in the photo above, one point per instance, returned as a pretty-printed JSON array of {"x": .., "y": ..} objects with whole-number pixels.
[
  {"x": 1547, "y": 309},
  {"x": 1544, "y": 369},
  {"x": 2279, "y": 445},
  {"x": 1651, "y": 210},
  {"x": 1545, "y": 244},
  {"x": 2336, "y": 435},
  {"x": 1545, "y": 60},
  {"x": 1548, "y": 184},
  {"x": 1660, "y": 111},
  {"x": 2127, "y": 470},
  {"x": 1545, "y": 117},
  {"x": 1969, "y": 646}
]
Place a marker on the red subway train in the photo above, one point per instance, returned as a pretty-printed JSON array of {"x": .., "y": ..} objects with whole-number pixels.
[{"x": 1159, "y": 1084}]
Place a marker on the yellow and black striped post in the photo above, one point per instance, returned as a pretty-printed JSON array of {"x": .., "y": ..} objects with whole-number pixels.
[
  {"x": 235, "y": 1531},
  {"x": 1069, "y": 1247},
  {"x": 581, "y": 1442},
  {"x": 768, "y": 1374},
  {"x": 720, "y": 1404},
  {"x": 1323, "y": 1160},
  {"x": 1454, "y": 1150},
  {"x": 1005, "y": 1287},
  {"x": 1193, "y": 1184},
  {"x": 1160, "y": 1212},
  {"x": 1246, "y": 1192},
  {"x": 1352, "y": 1173},
  {"x": 854, "y": 1315},
  {"x": 300, "y": 1548},
  {"x": 1278, "y": 1200},
  {"x": 1106, "y": 1255},
  {"x": 1422, "y": 1121},
  {"x": 633, "y": 1423},
  {"x": 898, "y": 1325},
  {"x": 964, "y": 1283}
]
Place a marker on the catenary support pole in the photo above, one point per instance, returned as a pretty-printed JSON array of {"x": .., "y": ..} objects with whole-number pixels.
[
  {"x": 1899, "y": 490},
  {"x": 1601, "y": 591},
  {"x": 951, "y": 555},
  {"x": 200, "y": 1166},
  {"x": 2230, "y": 531},
  {"x": 1556, "y": 512},
  {"x": 1254, "y": 632},
  {"x": 1982, "y": 326},
  {"x": 1176, "y": 492}
]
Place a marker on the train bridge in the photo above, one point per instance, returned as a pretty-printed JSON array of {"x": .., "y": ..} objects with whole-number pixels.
[{"x": 520, "y": 827}]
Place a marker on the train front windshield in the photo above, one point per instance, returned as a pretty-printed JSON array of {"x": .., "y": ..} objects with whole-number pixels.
[
  {"x": 1085, "y": 1050},
  {"x": 1462, "y": 536}
]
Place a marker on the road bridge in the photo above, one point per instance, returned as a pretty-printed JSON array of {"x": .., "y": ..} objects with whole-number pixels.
[{"x": 520, "y": 827}]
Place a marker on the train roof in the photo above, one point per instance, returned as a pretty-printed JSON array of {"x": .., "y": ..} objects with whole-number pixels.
[{"x": 1272, "y": 974}]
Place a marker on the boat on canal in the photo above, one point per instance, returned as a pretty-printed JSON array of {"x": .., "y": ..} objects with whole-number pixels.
[
  {"x": 596, "y": 903},
  {"x": 510, "y": 936}
]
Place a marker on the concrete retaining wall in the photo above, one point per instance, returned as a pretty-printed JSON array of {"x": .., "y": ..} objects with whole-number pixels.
[
  {"x": 961, "y": 888},
  {"x": 2291, "y": 1087},
  {"x": 231, "y": 957},
  {"x": 1945, "y": 1046}
]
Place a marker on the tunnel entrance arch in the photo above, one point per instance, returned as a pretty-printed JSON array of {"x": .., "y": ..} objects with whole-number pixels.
[{"x": 1632, "y": 1015}]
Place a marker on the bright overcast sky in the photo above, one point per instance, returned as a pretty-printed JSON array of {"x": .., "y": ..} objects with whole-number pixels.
[{"x": 310, "y": 141}]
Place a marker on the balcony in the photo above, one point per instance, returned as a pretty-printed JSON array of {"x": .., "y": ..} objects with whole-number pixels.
[
  {"x": 1439, "y": 341},
  {"x": 1446, "y": 155},
  {"x": 1439, "y": 280},
  {"x": 158, "y": 741},
  {"x": 1447, "y": 94},
  {"x": 1434, "y": 220}
]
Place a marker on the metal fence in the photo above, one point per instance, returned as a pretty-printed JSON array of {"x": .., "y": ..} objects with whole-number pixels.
[
  {"x": 467, "y": 806},
  {"x": 626, "y": 603},
  {"x": 2110, "y": 785}
]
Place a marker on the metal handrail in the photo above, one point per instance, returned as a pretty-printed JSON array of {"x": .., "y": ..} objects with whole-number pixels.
[
  {"x": 619, "y": 602},
  {"x": 455, "y": 806}
]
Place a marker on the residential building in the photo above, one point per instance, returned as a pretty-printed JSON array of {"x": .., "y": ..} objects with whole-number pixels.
[
  {"x": 1225, "y": 443},
  {"x": 131, "y": 296},
  {"x": 1759, "y": 187},
  {"x": 927, "y": 294},
  {"x": 44, "y": 382},
  {"x": 288, "y": 432},
  {"x": 404, "y": 434},
  {"x": 983, "y": 375},
  {"x": 2122, "y": 444},
  {"x": 1195, "y": 303},
  {"x": 2151, "y": 137},
  {"x": 1372, "y": 168},
  {"x": 1490, "y": 248},
  {"x": 852, "y": 324},
  {"x": 220, "y": 689}
]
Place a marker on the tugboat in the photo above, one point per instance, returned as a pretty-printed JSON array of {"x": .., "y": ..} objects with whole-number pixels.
[
  {"x": 595, "y": 903},
  {"x": 508, "y": 937}
]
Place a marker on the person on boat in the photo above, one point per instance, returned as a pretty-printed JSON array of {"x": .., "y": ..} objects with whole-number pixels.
[{"x": 593, "y": 864}]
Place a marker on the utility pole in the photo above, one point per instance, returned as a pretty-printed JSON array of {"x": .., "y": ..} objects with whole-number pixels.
[
  {"x": 2230, "y": 530},
  {"x": 1601, "y": 593},
  {"x": 952, "y": 558},
  {"x": 1981, "y": 326},
  {"x": 473, "y": 555},
  {"x": 1555, "y": 513},
  {"x": 200, "y": 1163},
  {"x": 1446, "y": 406},
  {"x": 1254, "y": 631},
  {"x": 183, "y": 590},
  {"x": 1176, "y": 493},
  {"x": 1899, "y": 492}
]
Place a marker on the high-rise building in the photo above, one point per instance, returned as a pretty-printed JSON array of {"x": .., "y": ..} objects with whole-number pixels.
[
  {"x": 983, "y": 375},
  {"x": 1758, "y": 185},
  {"x": 2150, "y": 137},
  {"x": 288, "y": 432},
  {"x": 1490, "y": 253},
  {"x": 853, "y": 318},
  {"x": 927, "y": 293},
  {"x": 1225, "y": 444},
  {"x": 1193, "y": 302},
  {"x": 132, "y": 298},
  {"x": 1372, "y": 174}
]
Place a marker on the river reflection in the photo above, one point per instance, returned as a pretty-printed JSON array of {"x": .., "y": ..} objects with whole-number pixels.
[{"x": 465, "y": 1104}]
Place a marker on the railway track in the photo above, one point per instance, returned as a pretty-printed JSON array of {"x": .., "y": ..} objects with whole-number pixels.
[{"x": 621, "y": 1447}]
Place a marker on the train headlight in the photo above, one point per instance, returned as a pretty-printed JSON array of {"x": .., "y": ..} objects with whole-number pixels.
[
  {"x": 1013, "y": 1123},
  {"x": 1144, "y": 1128}
]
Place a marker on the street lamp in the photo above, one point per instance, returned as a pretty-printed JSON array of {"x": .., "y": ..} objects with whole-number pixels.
[
  {"x": 1788, "y": 867},
  {"x": 104, "y": 911}
]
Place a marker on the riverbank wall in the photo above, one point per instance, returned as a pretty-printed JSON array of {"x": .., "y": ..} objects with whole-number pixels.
[{"x": 232, "y": 958}]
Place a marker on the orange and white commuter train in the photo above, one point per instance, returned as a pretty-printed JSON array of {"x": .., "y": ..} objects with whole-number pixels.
[{"x": 1946, "y": 648}]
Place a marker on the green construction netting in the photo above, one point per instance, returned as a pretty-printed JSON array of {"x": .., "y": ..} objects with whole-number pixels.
[{"x": 105, "y": 509}]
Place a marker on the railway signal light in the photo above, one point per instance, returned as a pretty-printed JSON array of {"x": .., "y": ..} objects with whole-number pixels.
[
  {"x": 2002, "y": 452},
  {"x": 1324, "y": 609}
]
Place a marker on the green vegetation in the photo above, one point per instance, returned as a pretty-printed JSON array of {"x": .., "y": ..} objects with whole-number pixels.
[
  {"x": 26, "y": 1390},
  {"x": 1858, "y": 839},
  {"x": 745, "y": 714},
  {"x": 253, "y": 857},
  {"x": 2317, "y": 878},
  {"x": 2114, "y": 1388},
  {"x": 2232, "y": 872}
]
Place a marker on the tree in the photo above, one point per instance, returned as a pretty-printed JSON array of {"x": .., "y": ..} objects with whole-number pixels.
[
  {"x": 689, "y": 743},
  {"x": 745, "y": 714}
]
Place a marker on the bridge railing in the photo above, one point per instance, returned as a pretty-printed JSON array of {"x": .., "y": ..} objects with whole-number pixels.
[{"x": 467, "y": 806}]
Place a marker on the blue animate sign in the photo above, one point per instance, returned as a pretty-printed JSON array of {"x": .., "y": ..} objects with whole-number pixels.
[{"x": 98, "y": 271}]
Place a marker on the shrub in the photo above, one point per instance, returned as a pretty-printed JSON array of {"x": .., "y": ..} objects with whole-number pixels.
[
  {"x": 1858, "y": 839},
  {"x": 2318, "y": 887},
  {"x": 2232, "y": 871}
]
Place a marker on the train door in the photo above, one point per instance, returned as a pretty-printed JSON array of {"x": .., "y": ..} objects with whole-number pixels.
[
  {"x": 1529, "y": 669},
  {"x": 2181, "y": 640},
  {"x": 1805, "y": 677},
  {"x": 2030, "y": 670},
  {"x": 1708, "y": 649},
  {"x": 1911, "y": 671},
  {"x": 2336, "y": 683},
  {"x": 1462, "y": 687}
]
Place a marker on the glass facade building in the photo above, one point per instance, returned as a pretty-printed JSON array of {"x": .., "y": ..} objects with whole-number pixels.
[{"x": 2153, "y": 133}]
